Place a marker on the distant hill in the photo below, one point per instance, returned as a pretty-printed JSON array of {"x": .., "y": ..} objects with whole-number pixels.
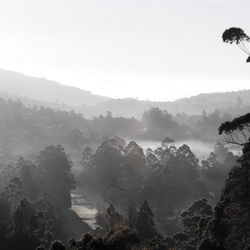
[
  {"x": 39, "y": 91},
  {"x": 227, "y": 102},
  {"x": 46, "y": 91}
]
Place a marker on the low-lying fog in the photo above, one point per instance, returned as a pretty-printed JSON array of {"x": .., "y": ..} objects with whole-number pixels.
[{"x": 201, "y": 149}]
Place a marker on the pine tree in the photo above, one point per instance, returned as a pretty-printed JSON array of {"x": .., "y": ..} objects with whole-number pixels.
[
  {"x": 113, "y": 217},
  {"x": 55, "y": 176},
  {"x": 145, "y": 224}
]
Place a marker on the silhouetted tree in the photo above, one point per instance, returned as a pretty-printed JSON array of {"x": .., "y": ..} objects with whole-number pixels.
[
  {"x": 229, "y": 227},
  {"x": 107, "y": 221},
  {"x": 237, "y": 36},
  {"x": 145, "y": 224},
  {"x": 55, "y": 175},
  {"x": 236, "y": 131}
]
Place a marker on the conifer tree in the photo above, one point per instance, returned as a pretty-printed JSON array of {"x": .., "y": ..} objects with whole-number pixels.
[{"x": 145, "y": 224}]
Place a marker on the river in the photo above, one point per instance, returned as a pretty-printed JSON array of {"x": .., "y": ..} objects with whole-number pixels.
[{"x": 83, "y": 209}]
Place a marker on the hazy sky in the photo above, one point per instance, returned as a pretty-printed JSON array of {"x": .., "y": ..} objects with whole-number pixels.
[{"x": 157, "y": 49}]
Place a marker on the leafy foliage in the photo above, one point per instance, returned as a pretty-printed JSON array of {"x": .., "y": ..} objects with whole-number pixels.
[
  {"x": 234, "y": 35},
  {"x": 237, "y": 36},
  {"x": 236, "y": 131}
]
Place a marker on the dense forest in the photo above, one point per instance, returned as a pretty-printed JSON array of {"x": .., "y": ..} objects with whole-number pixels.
[
  {"x": 25, "y": 128},
  {"x": 84, "y": 171},
  {"x": 145, "y": 198}
]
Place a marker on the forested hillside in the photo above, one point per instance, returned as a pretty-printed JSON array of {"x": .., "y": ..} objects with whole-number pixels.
[
  {"x": 32, "y": 90},
  {"x": 129, "y": 128},
  {"x": 27, "y": 129},
  {"x": 145, "y": 198}
]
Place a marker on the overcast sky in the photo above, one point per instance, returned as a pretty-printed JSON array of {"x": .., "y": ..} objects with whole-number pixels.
[{"x": 150, "y": 49}]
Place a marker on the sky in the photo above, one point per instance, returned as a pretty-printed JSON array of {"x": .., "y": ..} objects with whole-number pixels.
[{"x": 147, "y": 49}]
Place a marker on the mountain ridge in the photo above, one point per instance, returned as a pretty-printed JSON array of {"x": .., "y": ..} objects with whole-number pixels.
[
  {"x": 45, "y": 90},
  {"x": 54, "y": 94}
]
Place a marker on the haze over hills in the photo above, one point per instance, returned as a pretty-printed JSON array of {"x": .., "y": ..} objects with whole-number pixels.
[
  {"x": 40, "y": 91},
  {"x": 45, "y": 90},
  {"x": 128, "y": 107}
]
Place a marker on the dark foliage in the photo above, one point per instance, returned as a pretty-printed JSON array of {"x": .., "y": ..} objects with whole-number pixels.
[
  {"x": 233, "y": 34},
  {"x": 54, "y": 175},
  {"x": 237, "y": 130}
]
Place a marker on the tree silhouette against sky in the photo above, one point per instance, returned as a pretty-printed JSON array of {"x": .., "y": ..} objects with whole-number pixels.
[{"x": 238, "y": 37}]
